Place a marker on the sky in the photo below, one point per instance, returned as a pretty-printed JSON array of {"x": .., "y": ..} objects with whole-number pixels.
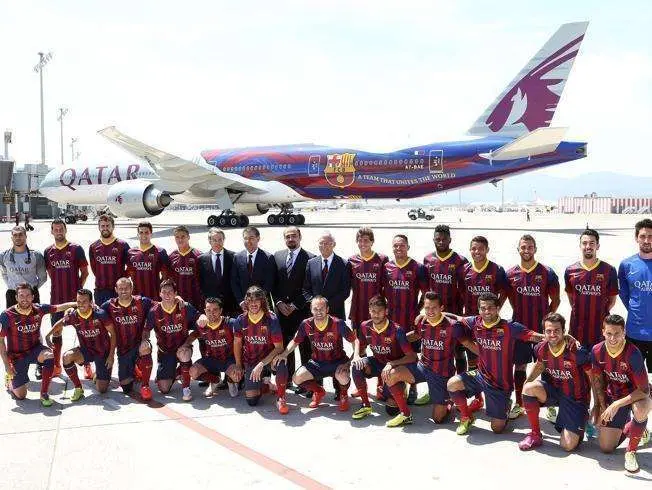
[{"x": 373, "y": 75}]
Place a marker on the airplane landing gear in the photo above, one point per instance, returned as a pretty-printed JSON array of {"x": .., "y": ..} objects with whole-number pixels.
[
  {"x": 286, "y": 219},
  {"x": 228, "y": 219}
]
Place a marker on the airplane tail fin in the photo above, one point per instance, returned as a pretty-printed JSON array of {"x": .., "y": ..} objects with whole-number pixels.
[{"x": 530, "y": 100}]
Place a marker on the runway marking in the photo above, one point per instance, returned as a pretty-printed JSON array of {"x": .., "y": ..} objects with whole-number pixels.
[{"x": 240, "y": 449}]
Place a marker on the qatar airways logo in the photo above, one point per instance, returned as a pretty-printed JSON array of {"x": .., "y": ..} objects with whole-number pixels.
[
  {"x": 617, "y": 377},
  {"x": 106, "y": 259},
  {"x": 173, "y": 328},
  {"x": 529, "y": 290},
  {"x": 29, "y": 327},
  {"x": 221, "y": 342},
  {"x": 366, "y": 276},
  {"x": 61, "y": 264},
  {"x": 143, "y": 266},
  {"x": 644, "y": 286},
  {"x": 560, "y": 374},
  {"x": 323, "y": 346},
  {"x": 184, "y": 271},
  {"x": 381, "y": 349},
  {"x": 589, "y": 289},
  {"x": 399, "y": 284},
  {"x": 432, "y": 344},
  {"x": 256, "y": 339},
  {"x": 71, "y": 177},
  {"x": 90, "y": 333},
  {"x": 126, "y": 319},
  {"x": 478, "y": 290},
  {"x": 442, "y": 278},
  {"x": 490, "y": 344}
]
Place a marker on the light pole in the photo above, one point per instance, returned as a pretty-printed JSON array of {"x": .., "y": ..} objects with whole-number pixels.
[
  {"x": 62, "y": 112},
  {"x": 43, "y": 60},
  {"x": 72, "y": 148}
]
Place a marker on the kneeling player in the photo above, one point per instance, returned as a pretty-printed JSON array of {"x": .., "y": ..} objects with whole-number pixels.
[
  {"x": 21, "y": 326},
  {"x": 564, "y": 384},
  {"x": 439, "y": 338},
  {"x": 257, "y": 340},
  {"x": 217, "y": 357},
  {"x": 390, "y": 349},
  {"x": 328, "y": 358},
  {"x": 627, "y": 391},
  {"x": 97, "y": 342}
]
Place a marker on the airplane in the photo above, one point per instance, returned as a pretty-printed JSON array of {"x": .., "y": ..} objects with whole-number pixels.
[{"x": 513, "y": 135}]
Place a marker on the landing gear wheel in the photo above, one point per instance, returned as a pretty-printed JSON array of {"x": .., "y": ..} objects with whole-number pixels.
[
  {"x": 212, "y": 220},
  {"x": 271, "y": 219},
  {"x": 292, "y": 219},
  {"x": 244, "y": 220},
  {"x": 280, "y": 219},
  {"x": 222, "y": 221},
  {"x": 301, "y": 219},
  {"x": 70, "y": 220},
  {"x": 233, "y": 221},
  {"x": 83, "y": 217}
]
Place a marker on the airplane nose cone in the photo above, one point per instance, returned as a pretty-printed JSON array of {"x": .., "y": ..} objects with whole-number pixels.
[{"x": 46, "y": 185}]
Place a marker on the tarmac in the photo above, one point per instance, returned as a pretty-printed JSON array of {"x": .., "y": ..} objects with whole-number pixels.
[{"x": 113, "y": 441}]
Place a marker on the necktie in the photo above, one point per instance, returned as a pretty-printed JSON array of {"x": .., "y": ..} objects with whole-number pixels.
[
  {"x": 324, "y": 271},
  {"x": 250, "y": 266},
  {"x": 288, "y": 262},
  {"x": 218, "y": 266}
]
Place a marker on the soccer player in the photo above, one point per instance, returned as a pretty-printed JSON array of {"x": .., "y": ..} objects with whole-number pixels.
[
  {"x": 184, "y": 268},
  {"x": 563, "y": 383},
  {"x": 533, "y": 292},
  {"x": 444, "y": 271},
  {"x": 128, "y": 314},
  {"x": 218, "y": 357},
  {"x": 365, "y": 271},
  {"x": 108, "y": 260},
  {"x": 20, "y": 325},
  {"x": 439, "y": 337},
  {"x": 627, "y": 391},
  {"x": 635, "y": 278},
  {"x": 390, "y": 348},
  {"x": 325, "y": 333},
  {"x": 403, "y": 280},
  {"x": 496, "y": 339},
  {"x": 592, "y": 288},
  {"x": 257, "y": 340},
  {"x": 147, "y": 264},
  {"x": 68, "y": 270},
  {"x": 97, "y": 341},
  {"x": 171, "y": 321}
]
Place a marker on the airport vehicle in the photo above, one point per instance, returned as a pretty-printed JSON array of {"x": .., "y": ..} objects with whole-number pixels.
[
  {"x": 415, "y": 214},
  {"x": 513, "y": 135}
]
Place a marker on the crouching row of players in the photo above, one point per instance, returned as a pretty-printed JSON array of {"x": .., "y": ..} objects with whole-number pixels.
[{"x": 250, "y": 349}]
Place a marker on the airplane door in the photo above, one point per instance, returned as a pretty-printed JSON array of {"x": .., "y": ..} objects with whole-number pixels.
[
  {"x": 314, "y": 164},
  {"x": 436, "y": 161}
]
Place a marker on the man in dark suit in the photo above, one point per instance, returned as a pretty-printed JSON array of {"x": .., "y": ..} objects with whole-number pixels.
[
  {"x": 215, "y": 273},
  {"x": 252, "y": 267},
  {"x": 288, "y": 292}
]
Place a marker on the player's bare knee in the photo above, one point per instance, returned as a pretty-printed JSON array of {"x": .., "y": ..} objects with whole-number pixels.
[
  {"x": 343, "y": 377},
  {"x": 20, "y": 393},
  {"x": 45, "y": 355},
  {"x": 640, "y": 409},
  {"x": 498, "y": 426},
  {"x": 455, "y": 384},
  {"x": 144, "y": 348},
  {"x": 164, "y": 387},
  {"x": 68, "y": 357},
  {"x": 102, "y": 386},
  {"x": 195, "y": 371}
]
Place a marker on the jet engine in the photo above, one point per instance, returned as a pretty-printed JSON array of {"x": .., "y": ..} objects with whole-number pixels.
[{"x": 137, "y": 199}]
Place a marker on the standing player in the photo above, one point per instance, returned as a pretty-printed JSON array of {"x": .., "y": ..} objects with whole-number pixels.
[
  {"x": 389, "y": 348},
  {"x": 218, "y": 356},
  {"x": 108, "y": 259},
  {"x": 257, "y": 340},
  {"x": 563, "y": 383},
  {"x": 635, "y": 278},
  {"x": 496, "y": 339},
  {"x": 171, "y": 321},
  {"x": 627, "y": 391},
  {"x": 96, "y": 343},
  {"x": 128, "y": 314},
  {"x": 147, "y": 264},
  {"x": 325, "y": 334},
  {"x": 184, "y": 268},
  {"x": 439, "y": 338},
  {"x": 403, "y": 280},
  {"x": 21, "y": 326},
  {"x": 365, "y": 271},
  {"x": 533, "y": 291},
  {"x": 68, "y": 270}
]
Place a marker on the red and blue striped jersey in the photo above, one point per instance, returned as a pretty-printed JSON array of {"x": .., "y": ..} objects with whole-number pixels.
[
  {"x": 258, "y": 338},
  {"x": 128, "y": 321},
  {"x": 438, "y": 343},
  {"x": 446, "y": 278},
  {"x": 108, "y": 262},
  {"x": 624, "y": 372},
  {"x": 489, "y": 279},
  {"x": 366, "y": 282},
  {"x": 23, "y": 332},
  {"x": 171, "y": 327},
  {"x": 402, "y": 286},
  {"x": 63, "y": 265},
  {"x": 326, "y": 344},
  {"x": 589, "y": 291},
  {"x": 529, "y": 292},
  {"x": 147, "y": 269},
  {"x": 496, "y": 349},
  {"x": 218, "y": 340},
  {"x": 387, "y": 345},
  {"x": 566, "y": 370},
  {"x": 91, "y": 331},
  {"x": 184, "y": 270}
]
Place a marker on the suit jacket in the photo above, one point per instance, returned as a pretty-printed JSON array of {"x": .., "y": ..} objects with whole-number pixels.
[
  {"x": 263, "y": 275},
  {"x": 289, "y": 289},
  {"x": 210, "y": 286},
  {"x": 335, "y": 288}
]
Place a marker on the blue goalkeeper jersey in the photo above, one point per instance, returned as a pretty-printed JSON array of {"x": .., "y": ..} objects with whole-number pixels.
[{"x": 635, "y": 278}]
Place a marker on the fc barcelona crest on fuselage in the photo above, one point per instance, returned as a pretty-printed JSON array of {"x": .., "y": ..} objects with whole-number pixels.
[{"x": 339, "y": 171}]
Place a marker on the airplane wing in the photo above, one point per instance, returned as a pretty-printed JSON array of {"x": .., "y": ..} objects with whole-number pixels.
[{"x": 178, "y": 174}]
